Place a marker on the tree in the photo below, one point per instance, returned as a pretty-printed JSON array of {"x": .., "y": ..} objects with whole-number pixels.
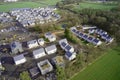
[
  {"x": 70, "y": 36},
  {"x": 25, "y": 76},
  {"x": 60, "y": 73}
]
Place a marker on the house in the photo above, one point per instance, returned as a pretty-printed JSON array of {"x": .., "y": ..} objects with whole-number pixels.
[
  {"x": 39, "y": 53},
  {"x": 104, "y": 35},
  {"x": 45, "y": 66},
  {"x": 90, "y": 39},
  {"x": 107, "y": 38},
  {"x": 32, "y": 44},
  {"x": 34, "y": 71},
  {"x": 41, "y": 41},
  {"x": 69, "y": 48},
  {"x": 63, "y": 43},
  {"x": 51, "y": 37},
  {"x": 58, "y": 60},
  {"x": 73, "y": 30},
  {"x": 97, "y": 42},
  {"x": 19, "y": 59},
  {"x": 70, "y": 56},
  {"x": 85, "y": 36},
  {"x": 51, "y": 49},
  {"x": 63, "y": 40},
  {"x": 16, "y": 47},
  {"x": 65, "y": 46},
  {"x": 100, "y": 32},
  {"x": 91, "y": 31}
]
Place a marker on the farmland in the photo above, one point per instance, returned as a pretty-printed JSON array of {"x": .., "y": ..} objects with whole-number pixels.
[
  {"x": 105, "y": 68},
  {"x": 8, "y": 6}
]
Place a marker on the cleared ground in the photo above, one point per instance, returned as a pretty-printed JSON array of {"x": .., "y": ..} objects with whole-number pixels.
[
  {"x": 105, "y": 68},
  {"x": 4, "y": 7}
]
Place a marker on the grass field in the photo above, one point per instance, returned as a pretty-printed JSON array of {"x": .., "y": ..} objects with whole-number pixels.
[
  {"x": 4, "y": 7},
  {"x": 101, "y": 6},
  {"x": 50, "y": 2},
  {"x": 105, "y": 68}
]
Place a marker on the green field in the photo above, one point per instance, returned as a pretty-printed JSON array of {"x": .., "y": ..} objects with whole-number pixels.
[
  {"x": 105, "y": 68},
  {"x": 8, "y": 6},
  {"x": 49, "y": 2},
  {"x": 101, "y": 6},
  {"x": 4, "y": 7}
]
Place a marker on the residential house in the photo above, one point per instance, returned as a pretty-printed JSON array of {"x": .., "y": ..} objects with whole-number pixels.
[
  {"x": 97, "y": 42},
  {"x": 19, "y": 59},
  {"x": 45, "y": 66},
  {"x": 41, "y": 41},
  {"x": 69, "y": 48},
  {"x": 65, "y": 46},
  {"x": 32, "y": 44},
  {"x": 70, "y": 56},
  {"x": 16, "y": 47},
  {"x": 51, "y": 37},
  {"x": 63, "y": 43},
  {"x": 39, "y": 53},
  {"x": 51, "y": 49},
  {"x": 104, "y": 35}
]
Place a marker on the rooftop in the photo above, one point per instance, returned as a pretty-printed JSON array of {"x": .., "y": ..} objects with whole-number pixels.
[{"x": 45, "y": 66}]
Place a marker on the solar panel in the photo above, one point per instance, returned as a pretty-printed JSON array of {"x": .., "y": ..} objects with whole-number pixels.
[
  {"x": 73, "y": 30},
  {"x": 69, "y": 54},
  {"x": 48, "y": 34},
  {"x": 68, "y": 47},
  {"x": 104, "y": 35},
  {"x": 102, "y": 32},
  {"x": 85, "y": 36},
  {"x": 97, "y": 30},
  {"x": 80, "y": 34},
  {"x": 108, "y": 38},
  {"x": 13, "y": 45},
  {"x": 77, "y": 32},
  {"x": 96, "y": 40},
  {"x": 63, "y": 44},
  {"x": 90, "y": 38}
]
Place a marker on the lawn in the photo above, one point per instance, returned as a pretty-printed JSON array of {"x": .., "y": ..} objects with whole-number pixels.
[
  {"x": 101, "y": 6},
  {"x": 4, "y": 7},
  {"x": 105, "y": 68}
]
